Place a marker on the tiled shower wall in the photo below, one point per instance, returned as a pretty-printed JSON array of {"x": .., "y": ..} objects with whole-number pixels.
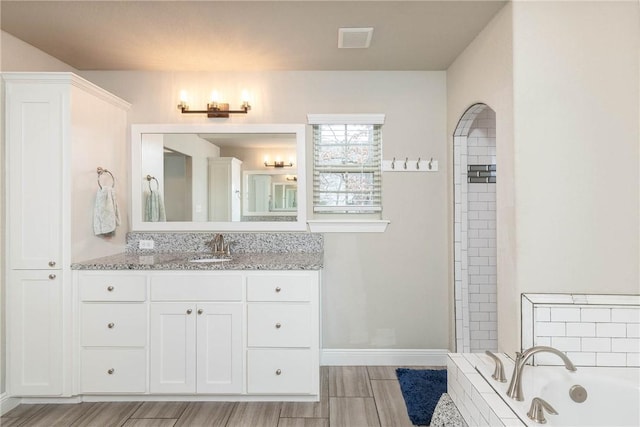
[
  {"x": 475, "y": 237},
  {"x": 593, "y": 330}
]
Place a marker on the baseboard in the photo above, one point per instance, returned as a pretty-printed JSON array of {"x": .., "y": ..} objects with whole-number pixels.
[
  {"x": 7, "y": 403},
  {"x": 383, "y": 357}
]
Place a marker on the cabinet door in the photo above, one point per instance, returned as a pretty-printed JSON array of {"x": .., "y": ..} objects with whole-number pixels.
[
  {"x": 34, "y": 341},
  {"x": 172, "y": 348},
  {"x": 34, "y": 153},
  {"x": 219, "y": 348}
]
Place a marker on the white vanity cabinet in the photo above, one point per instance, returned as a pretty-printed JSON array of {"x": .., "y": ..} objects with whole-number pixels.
[
  {"x": 54, "y": 124},
  {"x": 196, "y": 333},
  {"x": 113, "y": 333},
  {"x": 282, "y": 333},
  {"x": 227, "y": 334}
]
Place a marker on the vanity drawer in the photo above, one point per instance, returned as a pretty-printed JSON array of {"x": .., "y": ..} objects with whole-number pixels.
[
  {"x": 197, "y": 287},
  {"x": 280, "y": 371},
  {"x": 279, "y": 288},
  {"x": 111, "y": 287},
  {"x": 113, "y": 371},
  {"x": 121, "y": 325},
  {"x": 278, "y": 325}
]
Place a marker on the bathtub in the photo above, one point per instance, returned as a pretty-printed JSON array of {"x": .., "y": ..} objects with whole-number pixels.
[{"x": 613, "y": 393}]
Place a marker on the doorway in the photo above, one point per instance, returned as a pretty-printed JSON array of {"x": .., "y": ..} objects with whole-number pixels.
[{"x": 475, "y": 256}]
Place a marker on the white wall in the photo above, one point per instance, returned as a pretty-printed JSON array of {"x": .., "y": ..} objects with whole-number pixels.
[
  {"x": 484, "y": 73},
  {"x": 577, "y": 222},
  {"x": 384, "y": 290},
  {"x": 568, "y": 190}
]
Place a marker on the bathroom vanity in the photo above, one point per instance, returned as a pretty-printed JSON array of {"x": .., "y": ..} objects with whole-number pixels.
[{"x": 163, "y": 327}]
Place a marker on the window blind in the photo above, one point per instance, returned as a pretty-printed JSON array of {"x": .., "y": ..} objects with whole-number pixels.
[{"x": 347, "y": 168}]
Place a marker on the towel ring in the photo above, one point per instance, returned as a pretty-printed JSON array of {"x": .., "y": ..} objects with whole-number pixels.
[
  {"x": 153, "y": 178},
  {"x": 102, "y": 171}
]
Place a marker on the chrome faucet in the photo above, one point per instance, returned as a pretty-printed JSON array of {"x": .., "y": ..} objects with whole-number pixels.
[
  {"x": 217, "y": 245},
  {"x": 515, "y": 386}
]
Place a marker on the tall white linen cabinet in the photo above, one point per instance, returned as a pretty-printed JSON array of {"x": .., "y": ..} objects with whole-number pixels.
[{"x": 58, "y": 129}]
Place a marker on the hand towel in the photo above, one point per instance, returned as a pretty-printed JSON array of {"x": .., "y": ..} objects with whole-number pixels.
[
  {"x": 106, "y": 216},
  {"x": 154, "y": 207}
]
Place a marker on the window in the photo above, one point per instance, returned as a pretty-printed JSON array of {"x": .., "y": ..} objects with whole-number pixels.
[{"x": 347, "y": 163}]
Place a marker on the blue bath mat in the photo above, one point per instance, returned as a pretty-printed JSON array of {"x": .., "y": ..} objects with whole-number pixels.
[{"x": 421, "y": 389}]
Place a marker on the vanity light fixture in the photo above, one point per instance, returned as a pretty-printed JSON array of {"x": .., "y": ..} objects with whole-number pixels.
[
  {"x": 277, "y": 163},
  {"x": 215, "y": 109}
]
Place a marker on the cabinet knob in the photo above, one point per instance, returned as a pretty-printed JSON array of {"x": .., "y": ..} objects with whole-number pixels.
[
  {"x": 52, "y": 263},
  {"x": 278, "y": 372},
  {"x": 278, "y": 289},
  {"x": 111, "y": 325},
  {"x": 110, "y": 288},
  {"x": 189, "y": 311},
  {"x": 111, "y": 371},
  {"x": 278, "y": 325},
  {"x": 52, "y": 276},
  {"x": 200, "y": 311}
]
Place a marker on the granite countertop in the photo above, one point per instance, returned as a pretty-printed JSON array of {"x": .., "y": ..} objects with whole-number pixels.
[{"x": 180, "y": 261}]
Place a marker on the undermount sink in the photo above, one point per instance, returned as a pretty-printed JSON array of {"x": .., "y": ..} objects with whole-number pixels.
[{"x": 209, "y": 259}]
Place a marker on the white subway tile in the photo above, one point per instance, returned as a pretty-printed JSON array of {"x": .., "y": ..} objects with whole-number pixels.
[
  {"x": 611, "y": 359},
  {"x": 611, "y": 330},
  {"x": 488, "y": 215},
  {"x": 479, "y": 317},
  {"x": 486, "y": 270},
  {"x": 479, "y": 335},
  {"x": 564, "y": 314},
  {"x": 566, "y": 343},
  {"x": 593, "y": 314},
  {"x": 488, "y": 326},
  {"x": 479, "y": 261},
  {"x": 543, "y": 341},
  {"x": 478, "y": 280},
  {"x": 596, "y": 344},
  {"x": 474, "y": 326},
  {"x": 487, "y": 251},
  {"x": 627, "y": 345},
  {"x": 478, "y": 224},
  {"x": 633, "y": 359},
  {"x": 582, "y": 358},
  {"x": 626, "y": 315},
  {"x": 550, "y": 329},
  {"x": 478, "y": 298},
  {"x": 498, "y": 406},
  {"x": 633, "y": 330},
  {"x": 487, "y": 197},
  {"x": 487, "y": 234},
  {"x": 581, "y": 329},
  {"x": 488, "y": 307},
  {"x": 543, "y": 314}
]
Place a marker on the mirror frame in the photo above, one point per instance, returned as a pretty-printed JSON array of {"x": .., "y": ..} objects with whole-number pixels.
[{"x": 137, "y": 130}]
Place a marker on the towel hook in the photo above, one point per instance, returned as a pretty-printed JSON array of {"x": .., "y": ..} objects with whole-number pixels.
[
  {"x": 405, "y": 162},
  {"x": 393, "y": 163},
  {"x": 150, "y": 178},
  {"x": 100, "y": 171},
  {"x": 418, "y": 164},
  {"x": 430, "y": 163}
]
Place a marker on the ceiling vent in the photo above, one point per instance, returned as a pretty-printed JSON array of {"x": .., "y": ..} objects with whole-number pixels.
[{"x": 354, "y": 38}]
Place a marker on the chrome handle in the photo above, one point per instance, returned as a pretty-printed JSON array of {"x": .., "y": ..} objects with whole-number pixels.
[
  {"x": 110, "y": 288},
  {"x": 278, "y": 289},
  {"x": 52, "y": 263},
  {"x": 278, "y": 325},
  {"x": 200, "y": 311},
  {"x": 111, "y": 325},
  {"x": 189, "y": 311},
  {"x": 278, "y": 372},
  {"x": 52, "y": 276},
  {"x": 111, "y": 371}
]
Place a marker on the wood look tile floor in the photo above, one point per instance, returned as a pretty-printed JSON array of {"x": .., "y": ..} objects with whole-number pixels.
[{"x": 351, "y": 396}]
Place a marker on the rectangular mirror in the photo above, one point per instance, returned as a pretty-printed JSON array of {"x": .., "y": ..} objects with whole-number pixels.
[{"x": 218, "y": 177}]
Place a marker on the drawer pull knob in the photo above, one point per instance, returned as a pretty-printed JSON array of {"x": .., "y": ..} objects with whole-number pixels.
[
  {"x": 189, "y": 311},
  {"x": 52, "y": 276},
  {"x": 110, "y": 288},
  {"x": 278, "y": 289},
  {"x": 52, "y": 263},
  {"x": 111, "y": 325},
  {"x": 111, "y": 371},
  {"x": 200, "y": 311},
  {"x": 278, "y": 325},
  {"x": 278, "y": 372}
]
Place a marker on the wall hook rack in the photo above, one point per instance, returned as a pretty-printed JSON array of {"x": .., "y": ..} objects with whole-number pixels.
[{"x": 408, "y": 165}]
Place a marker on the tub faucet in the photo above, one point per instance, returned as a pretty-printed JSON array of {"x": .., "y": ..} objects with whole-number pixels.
[{"x": 515, "y": 386}]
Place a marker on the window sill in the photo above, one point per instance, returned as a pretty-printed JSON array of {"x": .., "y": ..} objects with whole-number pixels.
[{"x": 348, "y": 225}]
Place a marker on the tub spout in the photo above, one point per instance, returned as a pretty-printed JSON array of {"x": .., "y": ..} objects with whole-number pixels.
[{"x": 515, "y": 386}]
